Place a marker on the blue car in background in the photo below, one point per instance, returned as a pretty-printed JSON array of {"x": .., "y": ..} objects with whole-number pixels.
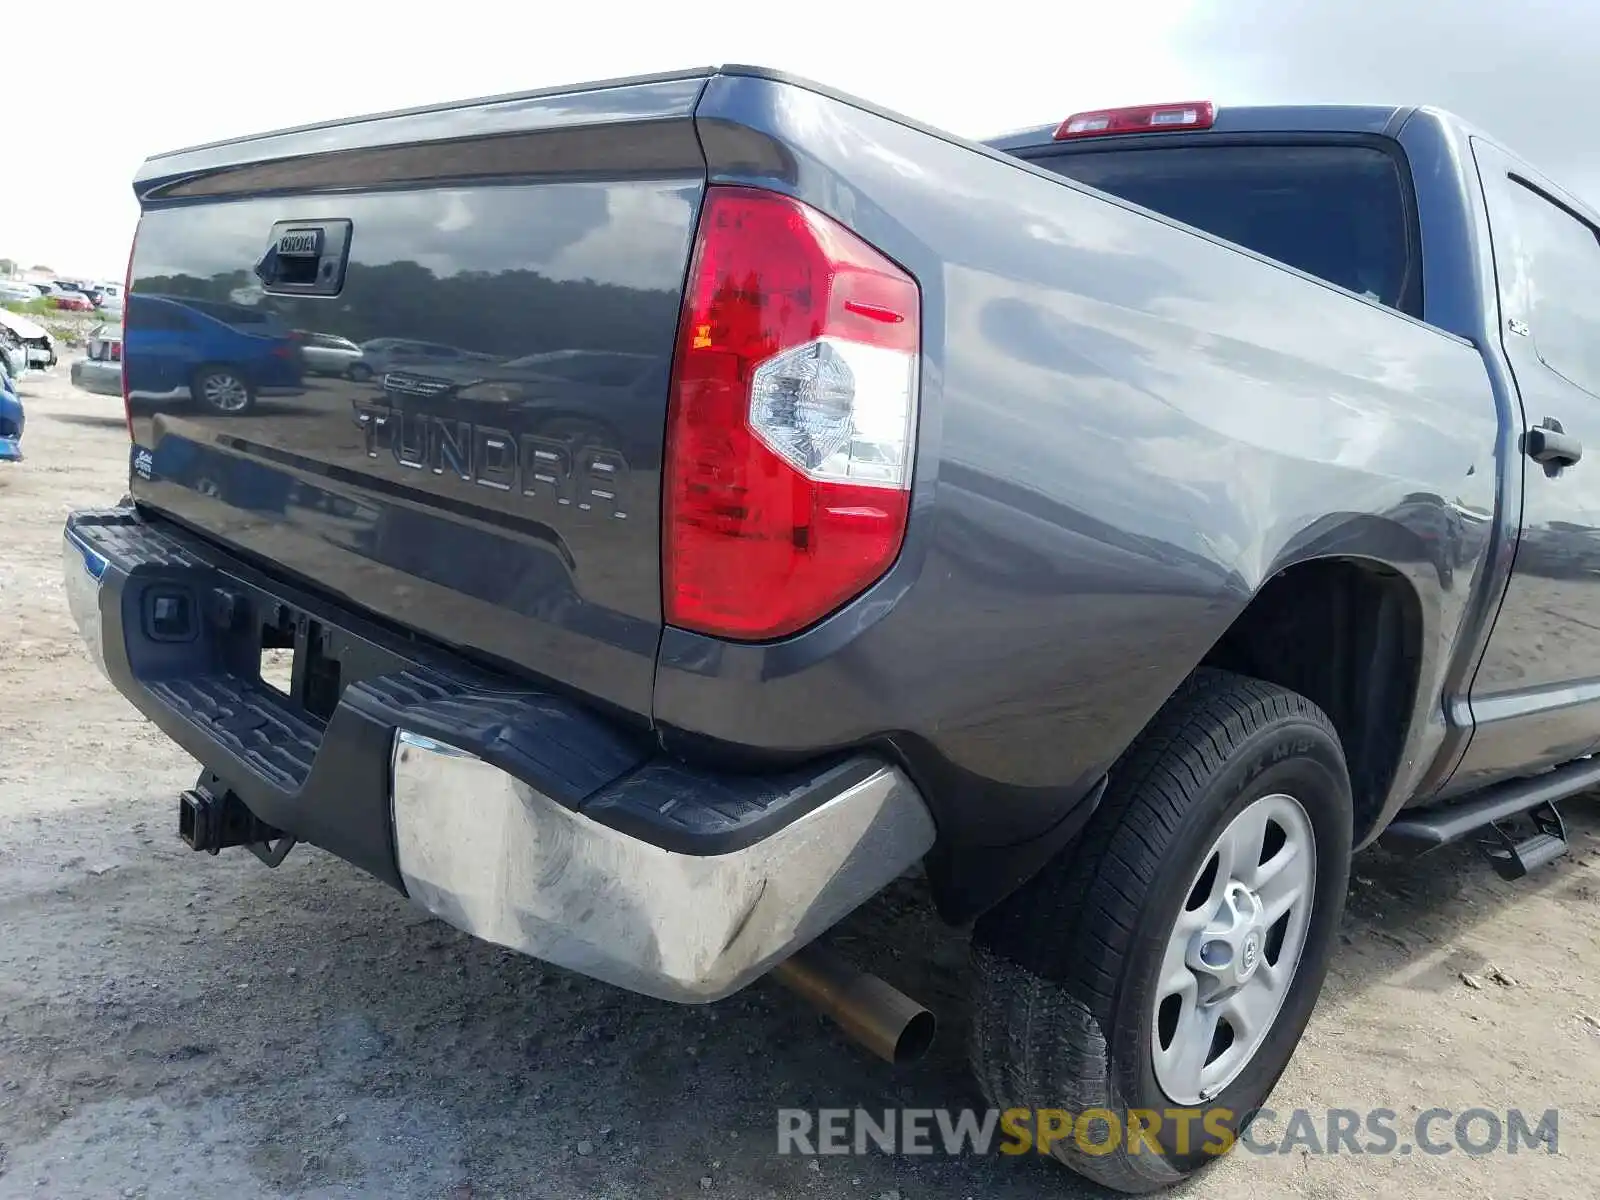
[
  {"x": 11, "y": 415},
  {"x": 11, "y": 422},
  {"x": 223, "y": 357}
]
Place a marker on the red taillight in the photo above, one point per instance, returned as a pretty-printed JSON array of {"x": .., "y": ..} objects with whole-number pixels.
[
  {"x": 127, "y": 304},
  {"x": 793, "y": 419},
  {"x": 1143, "y": 118}
]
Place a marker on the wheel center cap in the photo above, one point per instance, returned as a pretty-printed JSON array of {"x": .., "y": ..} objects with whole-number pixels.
[
  {"x": 1228, "y": 953},
  {"x": 1249, "y": 955}
]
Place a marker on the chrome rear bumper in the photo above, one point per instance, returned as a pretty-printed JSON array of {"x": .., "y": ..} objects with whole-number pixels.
[
  {"x": 101, "y": 378},
  {"x": 505, "y": 863},
  {"x": 82, "y": 569}
]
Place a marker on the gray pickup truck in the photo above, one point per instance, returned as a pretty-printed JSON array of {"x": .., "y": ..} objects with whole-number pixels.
[{"x": 1124, "y": 521}]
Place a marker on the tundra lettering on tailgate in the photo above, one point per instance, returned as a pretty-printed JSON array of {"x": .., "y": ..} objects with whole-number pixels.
[{"x": 588, "y": 477}]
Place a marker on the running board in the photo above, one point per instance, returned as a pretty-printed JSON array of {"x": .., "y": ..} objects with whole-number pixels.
[
  {"x": 1418, "y": 832},
  {"x": 1511, "y": 858}
]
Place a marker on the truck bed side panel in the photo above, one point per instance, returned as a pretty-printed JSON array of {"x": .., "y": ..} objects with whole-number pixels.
[{"x": 1127, "y": 427}]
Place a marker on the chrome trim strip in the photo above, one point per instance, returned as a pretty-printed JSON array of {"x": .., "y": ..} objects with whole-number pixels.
[{"x": 405, "y": 737}]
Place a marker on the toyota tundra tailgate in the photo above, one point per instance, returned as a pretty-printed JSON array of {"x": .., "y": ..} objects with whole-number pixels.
[{"x": 484, "y": 465}]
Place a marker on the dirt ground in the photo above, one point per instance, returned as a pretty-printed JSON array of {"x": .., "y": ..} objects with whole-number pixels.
[{"x": 178, "y": 1025}]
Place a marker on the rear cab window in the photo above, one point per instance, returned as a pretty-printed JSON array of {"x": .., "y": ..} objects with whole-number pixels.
[
  {"x": 1341, "y": 212},
  {"x": 1555, "y": 281}
]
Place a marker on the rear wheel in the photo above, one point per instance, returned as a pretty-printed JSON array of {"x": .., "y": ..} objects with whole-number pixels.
[
  {"x": 223, "y": 390},
  {"x": 1163, "y": 968}
]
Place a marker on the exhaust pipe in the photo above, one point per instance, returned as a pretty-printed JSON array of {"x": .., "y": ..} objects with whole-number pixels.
[{"x": 875, "y": 1015}]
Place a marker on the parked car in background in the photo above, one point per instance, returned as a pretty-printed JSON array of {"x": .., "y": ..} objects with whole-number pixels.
[
  {"x": 11, "y": 422},
  {"x": 15, "y": 291},
  {"x": 11, "y": 414},
  {"x": 99, "y": 294},
  {"x": 73, "y": 302},
  {"x": 387, "y": 354},
  {"x": 330, "y": 354},
  {"x": 100, "y": 369},
  {"x": 38, "y": 346},
  {"x": 581, "y": 398},
  {"x": 221, "y": 356}
]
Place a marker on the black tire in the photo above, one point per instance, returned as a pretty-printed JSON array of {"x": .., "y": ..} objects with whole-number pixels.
[
  {"x": 214, "y": 380},
  {"x": 1066, "y": 968}
]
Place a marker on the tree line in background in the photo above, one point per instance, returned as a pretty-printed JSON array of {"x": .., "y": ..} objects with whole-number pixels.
[{"x": 9, "y": 267}]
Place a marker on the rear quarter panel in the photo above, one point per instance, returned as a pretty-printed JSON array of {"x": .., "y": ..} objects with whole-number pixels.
[{"x": 1127, "y": 428}]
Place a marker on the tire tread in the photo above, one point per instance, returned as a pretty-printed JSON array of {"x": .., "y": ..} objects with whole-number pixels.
[{"x": 1061, "y": 940}]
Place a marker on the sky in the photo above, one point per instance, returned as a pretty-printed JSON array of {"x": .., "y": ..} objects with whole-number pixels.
[{"x": 170, "y": 73}]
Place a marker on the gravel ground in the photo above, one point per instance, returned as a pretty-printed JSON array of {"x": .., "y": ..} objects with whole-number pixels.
[{"x": 178, "y": 1025}]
